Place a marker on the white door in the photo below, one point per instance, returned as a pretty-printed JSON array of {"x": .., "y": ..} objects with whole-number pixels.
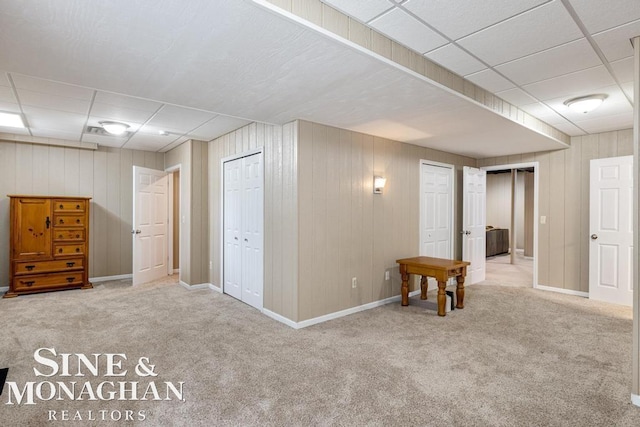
[
  {"x": 474, "y": 183},
  {"x": 232, "y": 228},
  {"x": 243, "y": 229},
  {"x": 435, "y": 210},
  {"x": 150, "y": 218},
  {"x": 611, "y": 228}
]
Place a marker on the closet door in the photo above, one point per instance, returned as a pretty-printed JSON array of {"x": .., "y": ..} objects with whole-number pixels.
[
  {"x": 232, "y": 228},
  {"x": 243, "y": 229},
  {"x": 252, "y": 225}
]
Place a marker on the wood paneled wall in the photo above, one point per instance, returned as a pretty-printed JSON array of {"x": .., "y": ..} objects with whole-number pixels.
[
  {"x": 499, "y": 204},
  {"x": 105, "y": 174},
  {"x": 563, "y": 242},
  {"x": 345, "y": 230},
  {"x": 279, "y": 145}
]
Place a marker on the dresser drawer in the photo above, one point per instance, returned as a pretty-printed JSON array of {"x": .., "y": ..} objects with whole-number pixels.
[
  {"x": 68, "y": 221},
  {"x": 47, "y": 281},
  {"x": 69, "y": 205},
  {"x": 66, "y": 249},
  {"x": 69, "y": 235},
  {"x": 37, "y": 267}
]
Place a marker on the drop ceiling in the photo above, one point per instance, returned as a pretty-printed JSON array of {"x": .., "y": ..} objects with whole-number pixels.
[{"x": 200, "y": 69}]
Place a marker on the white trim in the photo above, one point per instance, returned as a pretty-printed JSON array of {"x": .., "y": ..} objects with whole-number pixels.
[
  {"x": 109, "y": 278},
  {"x": 4, "y": 289},
  {"x": 171, "y": 170},
  {"x": 176, "y": 270},
  {"x": 215, "y": 288},
  {"x": 195, "y": 287},
  {"x": 336, "y": 315},
  {"x": 563, "y": 291},
  {"x": 635, "y": 399},
  {"x": 536, "y": 213},
  {"x": 170, "y": 220}
]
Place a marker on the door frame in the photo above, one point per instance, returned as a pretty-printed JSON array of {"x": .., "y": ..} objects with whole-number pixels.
[
  {"x": 223, "y": 160},
  {"x": 536, "y": 187},
  {"x": 171, "y": 170},
  {"x": 452, "y": 193}
]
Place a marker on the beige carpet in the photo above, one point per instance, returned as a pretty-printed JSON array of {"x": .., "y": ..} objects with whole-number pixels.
[{"x": 512, "y": 357}]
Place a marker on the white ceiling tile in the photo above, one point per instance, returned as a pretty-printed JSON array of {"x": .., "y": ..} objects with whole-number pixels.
[
  {"x": 544, "y": 113},
  {"x": 43, "y": 118},
  {"x": 536, "y": 30},
  {"x": 490, "y": 80},
  {"x": 9, "y": 107},
  {"x": 107, "y": 141},
  {"x": 363, "y": 10},
  {"x": 179, "y": 119},
  {"x": 608, "y": 123},
  {"x": 615, "y": 103},
  {"x": 571, "y": 85},
  {"x": 149, "y": 141},
  {"x": 408, "y": 31},
  {"x": 628, "y": 89},
  {"x": 603, "y": 15},
  {"x": 516, "y": 97},
  {"x": 51, "y": 133},
  {"x": 615, "y": 43},
  {"x": 50, "y": 87},
  {"x": 623, "y": 69},
  {"x": 6, "y": 95},
  {"x": 458, "y": 18},
  {"x": 54, "y": 102},
  {"x": 564, "y": 59},
  {"x": 455, "y": 59},
  {"x": 174, "y": 144},
  {"x": 216, "y": 127},
  {"x": 117, "y": 113},
  {"x": 4, "y": 79},
  {"x": 569, "y": 128},
  {"x": 129, "y": 102}
]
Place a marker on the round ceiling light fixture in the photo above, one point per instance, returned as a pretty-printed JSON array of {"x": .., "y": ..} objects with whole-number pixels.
[
  {"x": 584, "y": 104},
  {"x": 114, "y": 128}
]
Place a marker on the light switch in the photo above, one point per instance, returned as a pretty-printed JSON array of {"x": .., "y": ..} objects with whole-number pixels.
[{"x": 543, "y": 219}]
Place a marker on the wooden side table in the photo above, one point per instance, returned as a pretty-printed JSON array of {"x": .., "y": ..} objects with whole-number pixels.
[{"x": 442, "y": 270}]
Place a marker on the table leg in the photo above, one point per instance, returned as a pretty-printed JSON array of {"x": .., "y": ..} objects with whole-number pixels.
[
  {"x": 460, "y": 291},
  {"x": 442, "y": 298},
  {"x": 424, "y": 287},
  {"x": 405, "y": 284}
]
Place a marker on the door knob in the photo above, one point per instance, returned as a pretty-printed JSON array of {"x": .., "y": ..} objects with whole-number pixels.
[
  {"x": 594, "y": 237},
  {"x": 136, "y": 231}
]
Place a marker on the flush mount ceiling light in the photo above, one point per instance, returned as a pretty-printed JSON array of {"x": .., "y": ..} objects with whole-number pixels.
[
  {"x": 114, "y": 128},
  {"x": 584, "y": 104},
  {"x": 12, "y": 120}
]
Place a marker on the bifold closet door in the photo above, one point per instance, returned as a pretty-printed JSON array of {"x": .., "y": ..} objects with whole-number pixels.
[{"x": 243, "y": 229}]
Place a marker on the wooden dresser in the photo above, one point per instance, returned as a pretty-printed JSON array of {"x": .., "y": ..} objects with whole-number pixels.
[{"x": 49, "y": 244}]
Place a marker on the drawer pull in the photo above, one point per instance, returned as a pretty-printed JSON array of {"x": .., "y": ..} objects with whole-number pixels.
[
  {"x": 61, "y": 221},
  {"x": 78, "y": 221},
  {"x": 71, "y": 264},
  {"x": 48, "y": 222},
  {"x": 60, "y": 250},
  {"x": 77, "y": 206},
  {"x": 77, "y": 236},
  {"x": 28, "y": 283},
  {"x": 60, "y": 236},
  {"x": 77, "y": 249},
  {"x": 29, "y": 267},
  {"x": 70, "y": 279},
  {"x": 61, "y": 206}
]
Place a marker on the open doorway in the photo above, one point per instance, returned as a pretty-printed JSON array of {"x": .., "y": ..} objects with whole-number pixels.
[{"x": 510, "y": 219}]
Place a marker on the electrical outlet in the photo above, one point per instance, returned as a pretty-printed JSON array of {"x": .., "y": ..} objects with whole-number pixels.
[
  {"x": 354, "y": 282},
  {"x": 386, "y": 275},
  {"x": 210, "y": 265}
]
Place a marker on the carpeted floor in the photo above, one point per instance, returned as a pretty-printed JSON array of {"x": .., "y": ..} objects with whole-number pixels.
[{"x": 512, "y": 357}]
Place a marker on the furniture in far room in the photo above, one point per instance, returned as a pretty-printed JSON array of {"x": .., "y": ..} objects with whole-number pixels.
[
  {"x": 497, "y": 241},
  {"x": 49, "y": 244},
  {"x": 439, "y": 268}
]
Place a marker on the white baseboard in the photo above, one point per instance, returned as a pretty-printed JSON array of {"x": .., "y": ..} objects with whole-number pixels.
[
  {"x": 562, "y": 291},
  {"x": 109, "y": 278},
  {"x": 194, "y": 287},
  {"x": 215, "y": 288},
  {"x": 336, "y": 315},
  {"x": 4, "y": 288},
  {"x": 635, "y": 399},
  {"x": 176, "y": 270}
]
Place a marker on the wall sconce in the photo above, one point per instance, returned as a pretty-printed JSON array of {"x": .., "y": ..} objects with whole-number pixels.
[{"x": 378, "y": 184}]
